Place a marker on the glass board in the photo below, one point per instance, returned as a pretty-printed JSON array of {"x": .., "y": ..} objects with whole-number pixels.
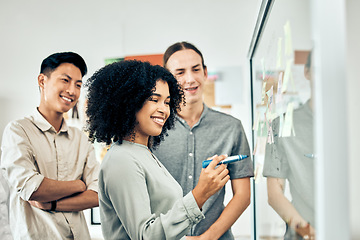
[{"x": 282, "y": 110}]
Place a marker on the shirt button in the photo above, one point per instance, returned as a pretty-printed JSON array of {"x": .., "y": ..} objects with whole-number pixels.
[
  {"x": 190, "y": 154},
  {"x": 191, "y": 133},
  {"x": 190, "y": 177}
]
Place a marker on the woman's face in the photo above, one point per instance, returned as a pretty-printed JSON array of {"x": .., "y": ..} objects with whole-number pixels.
[{"x": 152, "y": 116}]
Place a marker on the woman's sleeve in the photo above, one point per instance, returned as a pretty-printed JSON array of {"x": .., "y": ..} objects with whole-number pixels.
[{"x": 125, "y": 186}]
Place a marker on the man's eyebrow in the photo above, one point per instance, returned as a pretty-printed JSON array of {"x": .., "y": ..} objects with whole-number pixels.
[
  {"x": 182, "y": 69},
  {"x": 64, "y": 74}
]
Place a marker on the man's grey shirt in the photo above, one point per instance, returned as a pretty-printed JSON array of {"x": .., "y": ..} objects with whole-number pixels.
[{"x": 184, "y": 149}]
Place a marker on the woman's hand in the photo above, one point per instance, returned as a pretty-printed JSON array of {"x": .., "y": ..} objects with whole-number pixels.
[{"x": 212, "y": 179}]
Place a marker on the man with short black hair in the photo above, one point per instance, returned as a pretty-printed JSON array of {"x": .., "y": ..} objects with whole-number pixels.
[{"x": 49, "y": 166}]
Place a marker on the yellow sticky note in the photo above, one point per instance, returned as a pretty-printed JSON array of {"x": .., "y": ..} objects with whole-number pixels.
[
  {"x": 288, "y": 40},
  {"x": 287, "y": 75},
  {"x": 288, "y": 122},
  {"x": 278, "y": 97},
  {"x": 263, "y": 93}
]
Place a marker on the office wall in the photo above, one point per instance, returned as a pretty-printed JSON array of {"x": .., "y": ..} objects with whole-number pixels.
[{"x": 33, "y": 30}]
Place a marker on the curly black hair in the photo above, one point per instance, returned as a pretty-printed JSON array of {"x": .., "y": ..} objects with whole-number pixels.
[{"x": 118, "y": 91}]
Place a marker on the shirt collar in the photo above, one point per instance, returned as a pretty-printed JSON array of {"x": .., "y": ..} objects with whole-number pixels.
[
  {"x": 44, "y": 125},
  {"x": 204, "y": 112},
  {"x": 134, "y": 144}
]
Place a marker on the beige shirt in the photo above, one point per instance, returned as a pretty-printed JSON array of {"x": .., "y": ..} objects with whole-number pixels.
[{"x": 32, "y": 150}]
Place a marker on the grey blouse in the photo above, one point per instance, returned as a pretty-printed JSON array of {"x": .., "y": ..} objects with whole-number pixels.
[{"x": 139, "y": 199}]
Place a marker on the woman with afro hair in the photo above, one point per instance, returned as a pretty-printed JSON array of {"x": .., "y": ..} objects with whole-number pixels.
[{"x": 131, "y": 105}]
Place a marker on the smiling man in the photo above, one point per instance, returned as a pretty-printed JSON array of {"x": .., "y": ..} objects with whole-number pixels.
[
  {"x": 201, "y": 132},
  {"x": 50, "y": 167}
]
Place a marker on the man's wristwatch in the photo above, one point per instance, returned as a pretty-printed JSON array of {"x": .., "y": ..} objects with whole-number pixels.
[{"x": 53, "y": 205}]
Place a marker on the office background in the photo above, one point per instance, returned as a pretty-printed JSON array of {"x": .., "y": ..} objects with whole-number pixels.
[{"x": 31, "y": 30}]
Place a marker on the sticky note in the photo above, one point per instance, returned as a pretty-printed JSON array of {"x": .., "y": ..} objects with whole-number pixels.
[
  {"x": 288, "y": 127},
  {"x": 287, "y": 75},
  {"x": 288, "y": 40},
  {"x": 263, "y": 92},
  {"x": 279, "y": 86}
]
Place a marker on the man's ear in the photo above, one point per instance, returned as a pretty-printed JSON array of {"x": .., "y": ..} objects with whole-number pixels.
[
  {"x": 41, "y": 80},
  {"x": 205, "y": 72}
]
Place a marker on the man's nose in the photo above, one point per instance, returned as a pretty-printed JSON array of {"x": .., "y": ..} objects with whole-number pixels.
[
  {"x": 189, "y": 77},
  {"x": 71, "y": 89}
]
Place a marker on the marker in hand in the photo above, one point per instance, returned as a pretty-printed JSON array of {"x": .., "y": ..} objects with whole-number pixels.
[{"x": 226, "y": 160}]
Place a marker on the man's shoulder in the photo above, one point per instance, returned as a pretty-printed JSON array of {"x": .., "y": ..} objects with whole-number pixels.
[
  {"x": 24, "y": 123},
  {"x": 215, "y": 115}
]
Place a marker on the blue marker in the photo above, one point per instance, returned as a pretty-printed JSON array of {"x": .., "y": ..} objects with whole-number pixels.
[{"x": 226, "y": 160}]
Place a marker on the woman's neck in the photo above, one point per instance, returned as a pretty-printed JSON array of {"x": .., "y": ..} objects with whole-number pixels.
[{"x": 137, "y": 139}]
